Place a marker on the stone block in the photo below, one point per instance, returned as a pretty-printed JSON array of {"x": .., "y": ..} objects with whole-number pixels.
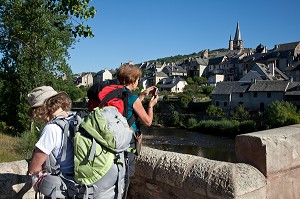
[{"x": 271, "y": 151}]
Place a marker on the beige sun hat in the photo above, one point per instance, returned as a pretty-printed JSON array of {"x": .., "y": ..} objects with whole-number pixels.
[{"x": 38, "y": 96}]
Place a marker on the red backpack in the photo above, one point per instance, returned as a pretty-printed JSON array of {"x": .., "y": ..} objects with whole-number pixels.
[{"x": 102, "y": 94}]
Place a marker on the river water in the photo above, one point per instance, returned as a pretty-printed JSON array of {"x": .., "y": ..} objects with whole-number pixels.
[{"x": 188, "y": 142}]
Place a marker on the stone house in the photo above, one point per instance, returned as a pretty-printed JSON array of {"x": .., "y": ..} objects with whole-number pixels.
[
  {"x": 85, "y": 79},
  {"x": 174, "y": 70},
  {"x": 102, "y": 76},
  {"x": 255, "y": 95},
  {"x": 156, "y": 77},
  {"x": 195, "y": 66},
  {"x": 172, "y": 84}
]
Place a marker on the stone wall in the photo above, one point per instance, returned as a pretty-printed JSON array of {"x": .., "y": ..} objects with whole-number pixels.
[
  {"x": 161, "y": 174},
  {"x": 15, "y": 182},
  {"x": 268, "y": 167}
]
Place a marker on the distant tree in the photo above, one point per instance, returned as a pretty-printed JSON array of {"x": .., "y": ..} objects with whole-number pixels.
[
  {"x": 207, "y": 89},
  {"x": 190, "y": 81},
  {"x": 200, "y": 80}
]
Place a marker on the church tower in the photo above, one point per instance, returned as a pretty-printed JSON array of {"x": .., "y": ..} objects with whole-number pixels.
[
  {"x": 230, "y": 43},
  {"x": 237, "y": 42}
]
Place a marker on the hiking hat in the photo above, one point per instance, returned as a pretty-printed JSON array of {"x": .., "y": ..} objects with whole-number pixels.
[{"x": 38, "y": 96}]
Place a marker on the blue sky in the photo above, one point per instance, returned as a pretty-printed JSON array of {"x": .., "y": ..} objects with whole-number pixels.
[{"x": 143, "y": 30}]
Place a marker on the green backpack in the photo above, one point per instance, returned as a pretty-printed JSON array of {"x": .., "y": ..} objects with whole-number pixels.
[{"x": 102, "y": 137}]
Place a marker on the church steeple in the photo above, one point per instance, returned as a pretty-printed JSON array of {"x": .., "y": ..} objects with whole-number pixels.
[
  {"x": 238, "y": 35},
  {"x": 237, "y": 42}
]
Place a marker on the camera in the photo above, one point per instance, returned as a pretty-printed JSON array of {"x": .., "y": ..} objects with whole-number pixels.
[{"x": 154, "y": 92}]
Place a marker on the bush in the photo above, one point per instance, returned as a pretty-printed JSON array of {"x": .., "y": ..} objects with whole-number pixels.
[
  {"x": 247, "y": 126},
  {"x": 27, "y": 143},
  {"x": 191, "y": 123},
  {"x": 281, "y": 113}
]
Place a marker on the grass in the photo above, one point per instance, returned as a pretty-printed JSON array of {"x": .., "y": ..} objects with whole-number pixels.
[{"x": 8, "y": 148}]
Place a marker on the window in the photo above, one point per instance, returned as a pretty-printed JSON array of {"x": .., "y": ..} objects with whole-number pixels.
[
  {"x": 255, "y": 94},
  {"x": 217, "y": 103},
  {"x": 241, "y": 94},
  {"x": 225, "y": 104},
  {"x": 268, "y": 94}
]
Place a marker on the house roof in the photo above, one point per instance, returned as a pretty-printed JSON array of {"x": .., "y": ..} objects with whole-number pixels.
[
  {"x": 269, "y": 85},
  {"x": 263, "y": 71},
  {"x": 252, "y": 74},
  {"x": 169, "y": 82},
  {"x": 286, "y": 46},
  {"x": 160, "y": 74},
  {"x": 201, "y": 61},
  {"x": 294, "y": 66},
  {"x": 169, "y": 69},
  {"x": 293, "y": 89},
  {"x": 230, "y": 87},
  {"x": 216, "y": 60}
]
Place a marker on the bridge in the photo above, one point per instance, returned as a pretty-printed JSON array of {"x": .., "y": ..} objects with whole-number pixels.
[{"x": 268, "y": 166}]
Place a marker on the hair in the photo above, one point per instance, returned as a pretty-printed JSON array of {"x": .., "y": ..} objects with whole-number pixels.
[
  {"x": 60, "y": 100},
  {"x": 128, "y": 73}
]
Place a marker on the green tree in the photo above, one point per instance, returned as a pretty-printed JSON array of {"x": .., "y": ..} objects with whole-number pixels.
[
  {"x": 240, "y": 112},
  {"x": 34, "y": 39},
  {"x": 214, "y": 111},
  {"x": 207, "y": 89},
  {"x": 281, "y": 113},
  {"x": 190, "y": 81},
  {"x": 200, "y": 80}
]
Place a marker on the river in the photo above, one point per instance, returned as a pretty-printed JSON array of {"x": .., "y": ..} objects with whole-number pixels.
[{"x": 188, "y": 142}]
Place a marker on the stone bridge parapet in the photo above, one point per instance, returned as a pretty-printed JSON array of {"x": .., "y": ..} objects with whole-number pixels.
[{"x": 268, "y": 166}]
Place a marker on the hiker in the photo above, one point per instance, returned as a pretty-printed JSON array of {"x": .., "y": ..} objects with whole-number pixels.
[
  {"x": 46, "y": 105},
  {"x": 129, "y": 75}
]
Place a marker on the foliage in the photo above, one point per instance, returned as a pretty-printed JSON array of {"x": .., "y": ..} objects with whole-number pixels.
[
  {"x": 247, "y": 126},
  {"x": 281, "y": 113},
  {"x": 207, "y": 89},
  {"x": 175, "y": 118},
  {"x": 200, "y": 80},
  {"x": 214, "y": 111},
  {"x": 8, "y": 152},
  {"x": 34, "y": 39},
  {"x": 189, "y": 81},
  {"x": 185, "y": 100},
  {"x": 240, "y": 112},
  {"x": 26, "y": 143},
  {"x": 192, "y": 123}
]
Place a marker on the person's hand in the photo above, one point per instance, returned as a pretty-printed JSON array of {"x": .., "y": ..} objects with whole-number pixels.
[
  {"x": 146, "y": 92},
  {"x": 153, "y": 101}
]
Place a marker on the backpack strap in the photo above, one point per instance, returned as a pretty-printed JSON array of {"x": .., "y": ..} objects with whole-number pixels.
[
  {"x": 69, "y": 128},
  {"x": 120, "y": 93}
]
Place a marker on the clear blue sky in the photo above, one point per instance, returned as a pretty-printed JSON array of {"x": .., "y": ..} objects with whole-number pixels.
[{"x": 143, "y": 30}]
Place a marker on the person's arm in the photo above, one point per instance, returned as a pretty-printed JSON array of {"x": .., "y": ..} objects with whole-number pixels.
[
  {"x": 146, "y": 116},
  {"x": 38, "y": 159}
]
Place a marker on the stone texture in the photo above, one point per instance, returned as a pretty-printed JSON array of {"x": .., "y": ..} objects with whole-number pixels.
[
  {"x": 14, "y": 180},
  {"x": 147, "y": 161},
  {"x": 221, "y": 182},
  {"x": 172, "y": 168},
  {"x": 270, "y": 151},
  {"x": 198, "y": 176},
  {"x": 284, "y": 185},
  {"x": 249, "y": 180}
]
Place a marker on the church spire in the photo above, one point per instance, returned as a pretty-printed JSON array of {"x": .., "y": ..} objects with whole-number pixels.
[{"x": 238, "y": 36}]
